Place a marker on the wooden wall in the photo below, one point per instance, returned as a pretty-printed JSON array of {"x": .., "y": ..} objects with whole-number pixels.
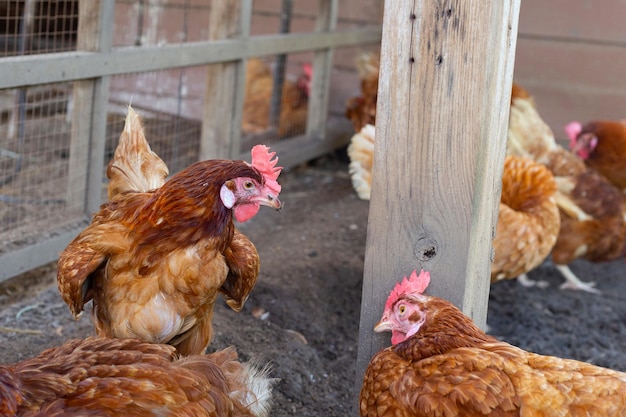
[{"x": 571, "y": 55}]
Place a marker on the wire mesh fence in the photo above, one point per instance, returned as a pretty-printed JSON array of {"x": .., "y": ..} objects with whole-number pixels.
[{"x": 41, "y": 192}]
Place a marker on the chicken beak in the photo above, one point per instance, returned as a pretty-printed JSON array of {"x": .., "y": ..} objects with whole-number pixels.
[
  {"x": 272, "y": 201},
  {"x": 383, "y": 326},
  {"x": 575, "y": 147}
]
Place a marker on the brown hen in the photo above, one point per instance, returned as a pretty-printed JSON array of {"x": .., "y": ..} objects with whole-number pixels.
[
  {"x": 361, "y": 110},
  {"x": 116, "y": 377},
  {"x": 592, "y": 225},
  {"x": 602, "y": 145},
  {"x": 441, "y": 364},
  {"x": 528, "y": 220},
  {"x": 258, "y": 95},
  {"x": 154, "y": 260}
]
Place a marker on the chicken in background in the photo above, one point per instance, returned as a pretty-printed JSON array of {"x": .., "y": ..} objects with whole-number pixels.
[
  {"x": 361, "y": 154},
  {"x": 592, "y": 224},
  {"x": 115, "y": 377},
  {"x": 156, "y": 255},
  {"x": 602, "y": 145},
  {"x": 528, "y": 220},
  {"x": 361, "y": 110},
  {"x": 441, "y": 364},
  {"x": 258, "y": 96}
]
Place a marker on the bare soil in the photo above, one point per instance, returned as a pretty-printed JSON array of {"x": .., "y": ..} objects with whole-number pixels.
[{"x": 303, "y": 314}]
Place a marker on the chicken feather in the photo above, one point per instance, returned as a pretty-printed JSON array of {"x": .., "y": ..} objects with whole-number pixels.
[
  {"x": 134, "y": 167},
  {"x": 528, "y": 220},
  {"x": 112, "y": 377}
]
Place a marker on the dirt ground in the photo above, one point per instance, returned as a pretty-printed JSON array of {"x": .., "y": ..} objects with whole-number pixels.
[{"x": 302, "y": 316}]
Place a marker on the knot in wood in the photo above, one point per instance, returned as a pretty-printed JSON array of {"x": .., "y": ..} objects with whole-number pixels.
[{"x": 426, "y": 249}]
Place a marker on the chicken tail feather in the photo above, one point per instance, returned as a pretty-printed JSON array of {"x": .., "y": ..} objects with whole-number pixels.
[{"x": 134, "y": 167}]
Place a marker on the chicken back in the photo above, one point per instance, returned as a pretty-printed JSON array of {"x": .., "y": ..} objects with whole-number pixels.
[
  {"x": 115, "y": 377},
  {"x": 528, "y": 220}
]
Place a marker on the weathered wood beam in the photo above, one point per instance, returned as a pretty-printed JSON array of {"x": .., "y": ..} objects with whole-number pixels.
[{"x": 443, "y": 103}]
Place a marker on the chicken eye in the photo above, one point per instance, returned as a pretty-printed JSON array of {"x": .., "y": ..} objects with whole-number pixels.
[
  {"x": 402, "y": 309},
  {"x": 248, "y": 185}
]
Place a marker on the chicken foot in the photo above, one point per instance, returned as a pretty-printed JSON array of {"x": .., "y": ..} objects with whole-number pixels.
[
  {"x": 572, "y": 282},
  {"x": 527, "y": 282}
]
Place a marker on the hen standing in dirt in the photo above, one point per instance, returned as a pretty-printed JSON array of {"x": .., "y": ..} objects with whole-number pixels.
[
  {"x": 592, "y": 221},
  {"x": 156, "y": 255},
  {"x": 442, "y": 365}
]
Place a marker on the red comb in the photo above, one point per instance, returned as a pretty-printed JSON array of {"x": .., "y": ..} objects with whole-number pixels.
[
  {"x": 414, "y": 284},
  {"x": 573, "y": 129},
  {"x": 307, "y": 69},
  {"x": 262, "y": 160}
]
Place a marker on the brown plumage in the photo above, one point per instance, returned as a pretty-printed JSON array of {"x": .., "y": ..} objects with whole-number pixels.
[
  {"x": 258, "y": 95},
  {"x": 154, "y": 260},
  {"x": 592, "y": 225},
  {"x": 116, "y": 377},
  {"x": 448, "y": 367},
  {"x": 602, "y": 144},
  {"x": 528, "y": 220}
]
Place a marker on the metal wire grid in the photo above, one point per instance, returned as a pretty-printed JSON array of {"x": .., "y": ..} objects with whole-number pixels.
[
  {"x": 156, "y": 22},
  {"x": 37, "y": 26},
  {"x": 34, "y": 152}
]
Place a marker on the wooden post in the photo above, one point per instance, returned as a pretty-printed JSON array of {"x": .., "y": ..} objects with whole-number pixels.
[
  {"x": 281, "y": 62},
  {"x": 322, "y": 66},
  {"x": 443, "y": 104},
  {"x": 225, "y": 83},
  {"x": 89, "y": 111}
]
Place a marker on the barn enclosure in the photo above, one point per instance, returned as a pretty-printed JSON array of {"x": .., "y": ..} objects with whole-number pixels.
[{"x": 70, "y": 68}]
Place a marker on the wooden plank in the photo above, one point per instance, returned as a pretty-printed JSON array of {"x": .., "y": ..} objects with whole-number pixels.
[
  {"x": 576, "y": 80},
  {"x": 582, "y": 20},
  {"x": 89, "y": 97},
  {"x": 441, "y": 120},
  {"x": 71, "y": 66},
  {"x": 322, "y": 66}
]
